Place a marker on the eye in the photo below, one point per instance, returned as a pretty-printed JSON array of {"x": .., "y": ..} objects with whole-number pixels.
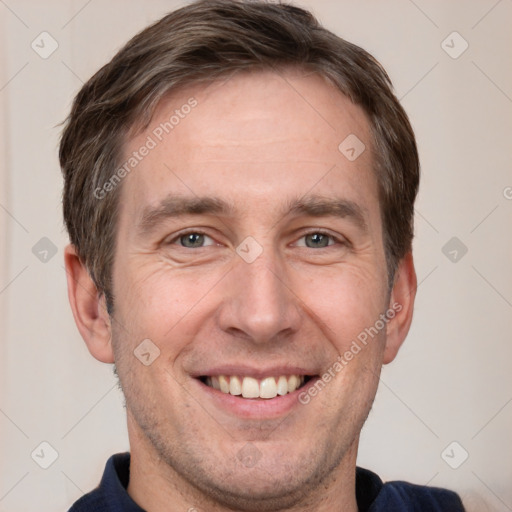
[
  {"x": 318, "y": 239},
  {"x": 192, "y": 240}
]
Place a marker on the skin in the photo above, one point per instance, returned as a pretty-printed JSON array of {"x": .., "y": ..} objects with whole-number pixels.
[{"x": 258, "y": 141}]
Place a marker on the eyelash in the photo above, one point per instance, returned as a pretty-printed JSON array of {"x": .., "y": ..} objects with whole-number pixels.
[{"x": 312, "y": 232}]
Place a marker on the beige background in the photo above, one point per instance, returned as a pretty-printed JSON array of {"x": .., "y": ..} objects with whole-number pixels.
[{"x": 452, "y": 379}]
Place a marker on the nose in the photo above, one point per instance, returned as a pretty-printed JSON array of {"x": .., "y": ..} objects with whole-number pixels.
[{"x": 259, "y": 304}]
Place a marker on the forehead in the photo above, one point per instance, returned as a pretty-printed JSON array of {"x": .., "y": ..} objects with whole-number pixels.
[{"x": 248, "y": 134}]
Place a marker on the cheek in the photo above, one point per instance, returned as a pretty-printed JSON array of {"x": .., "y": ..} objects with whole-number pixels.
[
  {"x": 156, "y": 301},
  {"x": 347, "y": 302}
]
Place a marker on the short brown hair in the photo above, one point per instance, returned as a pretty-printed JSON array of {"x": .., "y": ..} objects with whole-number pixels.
[{"x": 204, "y": 41}]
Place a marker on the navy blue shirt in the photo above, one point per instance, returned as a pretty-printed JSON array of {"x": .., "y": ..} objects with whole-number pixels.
[{"x": 372, "y": 494}]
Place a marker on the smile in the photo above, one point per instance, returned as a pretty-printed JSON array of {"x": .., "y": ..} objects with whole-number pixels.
[{"x": 249, "y": 387}]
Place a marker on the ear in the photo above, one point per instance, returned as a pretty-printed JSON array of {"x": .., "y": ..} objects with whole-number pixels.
[
  {"x": 402, "y": 303},
  {"x": 89, "y": 308}
]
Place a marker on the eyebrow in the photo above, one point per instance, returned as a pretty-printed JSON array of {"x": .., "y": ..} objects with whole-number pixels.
[
  {"x": 174, "y": 206},
  {"x": 321, "y": 206},
  {"x": 177, "y": 206}
]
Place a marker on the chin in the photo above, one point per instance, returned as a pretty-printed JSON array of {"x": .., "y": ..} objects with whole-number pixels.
[
  {"x": 260, "y": 491},
  {"x": 252, "y": 481}
]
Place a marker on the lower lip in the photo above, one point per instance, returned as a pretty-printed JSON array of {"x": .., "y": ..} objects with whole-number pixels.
[{"x": 250, "y": 408}]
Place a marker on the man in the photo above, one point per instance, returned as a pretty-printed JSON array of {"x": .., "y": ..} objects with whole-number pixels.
[{"x": 239, "y": 192}]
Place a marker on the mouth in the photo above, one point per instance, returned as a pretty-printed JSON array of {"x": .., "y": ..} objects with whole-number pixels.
[{"x": 250, "y": 388}]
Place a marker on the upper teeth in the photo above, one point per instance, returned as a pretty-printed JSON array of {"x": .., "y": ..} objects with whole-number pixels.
[{"x": 249, "y": 387}]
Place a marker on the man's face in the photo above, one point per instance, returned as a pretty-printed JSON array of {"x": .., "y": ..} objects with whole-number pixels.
[{"x": 278, "y": 282}]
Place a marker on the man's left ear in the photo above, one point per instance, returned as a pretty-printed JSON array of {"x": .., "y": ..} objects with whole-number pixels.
[{"x": 402, "y": 302}]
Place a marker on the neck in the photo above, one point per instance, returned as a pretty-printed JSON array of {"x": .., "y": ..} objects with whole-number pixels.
[{"x": 154, "y": 485}]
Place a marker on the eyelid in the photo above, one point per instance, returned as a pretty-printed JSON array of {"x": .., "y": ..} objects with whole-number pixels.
[
  {"x": 175, "y": 238},
  {"x": 336, "y": 238}
]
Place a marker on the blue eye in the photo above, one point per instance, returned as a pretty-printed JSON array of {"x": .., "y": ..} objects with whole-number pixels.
[
  {"x": 198, "y": 239},
  {"x": 314, "y": 240},
  {"x": 193, "y": 240},
  {"x": 317, "y": 240}
]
